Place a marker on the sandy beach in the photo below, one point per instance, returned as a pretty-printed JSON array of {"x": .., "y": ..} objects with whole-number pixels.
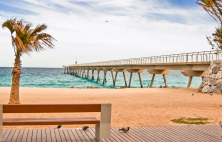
[{"x": 134, "y": 107}]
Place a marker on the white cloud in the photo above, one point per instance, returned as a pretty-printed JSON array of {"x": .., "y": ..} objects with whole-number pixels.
[{"x": 133, "y": 30}]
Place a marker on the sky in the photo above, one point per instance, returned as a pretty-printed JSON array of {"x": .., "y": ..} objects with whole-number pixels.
[{"x": 135, "y": 28}]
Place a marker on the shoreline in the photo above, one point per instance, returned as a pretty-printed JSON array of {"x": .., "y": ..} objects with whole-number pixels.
[{"x": 133, "y": 107}]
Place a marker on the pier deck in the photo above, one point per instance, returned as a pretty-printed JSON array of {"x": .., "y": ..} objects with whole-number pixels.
[
  {"x": 190, "y": 64},
  {"x": 203, "y": 133}
]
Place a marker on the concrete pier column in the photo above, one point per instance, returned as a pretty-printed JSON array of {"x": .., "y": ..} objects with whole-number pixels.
[
  {"x": 191, "y": 74},
  {"x": 80, "y": 71},
  {"x": 112, "y": 77},
  {"x": 151, "y": 84},
  {"x": 115, "y": 78},
  {"x": 98, "y": 75},
  {"x": 135, "y": 71},
  {"x": 105, "y": 71},
  {"x": 92, "y": 74},
  {"x": 87, "y": 74},
  {"x": 64, "y": 70},
  {"x": 83, "y": 71},
  {"x": 189, "y": 83},
  {"x": 141, "y": 84},
  {"x": 119, "y": 70},
  {"x": 124, "y": 79},
  {"x": 130, "y": 79},
  {"x": 154, "y": 72},
  {"x": 104, "y": 80},
  {"x": 164, "y": 78}
]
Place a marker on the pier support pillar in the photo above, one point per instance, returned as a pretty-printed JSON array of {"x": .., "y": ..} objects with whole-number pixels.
[
  {"x": 189, "y": 83},
  {"x": 191, "y": 74},
  {"x": 164, "y": 78},
  {"x": 124, "y": 79},
  {"x": 135, "y": 71},
  {"x": 154, "y": 72},
  {"x": 115, "y": 79},
  {"x": 64, "y": 70},
  {"x": 104, "y": 80},
  {"x": 74, "y": 72},
  {"x": 112, "y": 77},
  {"x": 119, "y": 70},
  {"x": 80, "y": 71},
  {"x": 130, "y": 79},
  {"x": 151, "y": 84},
  {"x": 87, "y": 74},
  {"x": 92, "y": 74},
  {"x": 105, "y": 71},
  {"x": 98, "y": 75},
  {"x": 83, "y": 72},
  {"x": 141, "y": 84}
]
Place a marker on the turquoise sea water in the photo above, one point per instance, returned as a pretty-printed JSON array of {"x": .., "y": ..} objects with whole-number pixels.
[{"x": 55, "y": 78}]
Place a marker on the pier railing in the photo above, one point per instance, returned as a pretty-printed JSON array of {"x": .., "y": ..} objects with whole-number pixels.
[{"x": 203, "y": 56}]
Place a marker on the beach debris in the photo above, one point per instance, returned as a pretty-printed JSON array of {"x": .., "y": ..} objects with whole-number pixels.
[
  {"x": 192, "y": 94},
  {"x": 89, "y": 87},
  {"x": 123, "y": 87},
  {"x": 211, "y": 94},
  {"x": 85, "y": 127},
  {"x": 220, "y": 105},
  {"x": 124, "y": 129},
  {"x": 96, "y": 87},
  {"x": 58, "y": 127},
  {"x": 160, "y": 86},
  {"x": 72, "y": 87}
]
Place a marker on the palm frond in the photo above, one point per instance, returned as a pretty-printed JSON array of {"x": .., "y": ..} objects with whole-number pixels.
[
  {"x": 43, "y": 40},
  {"x": 9, "y": 24},
  {"x": 27, "y": 39},
  {"x": 38, "y": 29},
  {"x": 213, "y": 8}
]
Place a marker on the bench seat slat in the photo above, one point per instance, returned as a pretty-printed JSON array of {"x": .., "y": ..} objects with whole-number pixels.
[
  {"x": 50, "y": 121},
  {"x": 50, "y": 108}
]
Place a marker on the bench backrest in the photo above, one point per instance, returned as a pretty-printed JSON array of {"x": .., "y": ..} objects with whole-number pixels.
[{"x": 50, "y": 108}]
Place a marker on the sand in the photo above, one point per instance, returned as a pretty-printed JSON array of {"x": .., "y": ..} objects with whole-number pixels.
[{"x": 130, "y": 107}]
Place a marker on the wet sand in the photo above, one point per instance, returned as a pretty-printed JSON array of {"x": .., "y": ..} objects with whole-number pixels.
[{"x": 134, "y": 107}]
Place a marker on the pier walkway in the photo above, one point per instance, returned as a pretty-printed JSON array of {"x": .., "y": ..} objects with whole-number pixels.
[
  {"x": 205, "y": 133},
  {"x": 190, "y": 64}
]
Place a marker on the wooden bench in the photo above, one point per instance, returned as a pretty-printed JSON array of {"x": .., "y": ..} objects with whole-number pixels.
[{"x": 102, "y": 126}]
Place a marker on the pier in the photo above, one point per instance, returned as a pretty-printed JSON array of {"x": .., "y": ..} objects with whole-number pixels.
[{"x": 193, "y": 64}]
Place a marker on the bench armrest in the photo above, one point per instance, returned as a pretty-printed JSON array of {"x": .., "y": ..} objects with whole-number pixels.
[
  {"x": 103, "y": 130},
  {"x": 1, "y": 122}
]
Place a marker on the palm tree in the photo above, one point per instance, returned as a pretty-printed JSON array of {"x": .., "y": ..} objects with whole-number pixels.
[
  {"x": 24, "y": 41},
  {"x": 213, "y": 7}
]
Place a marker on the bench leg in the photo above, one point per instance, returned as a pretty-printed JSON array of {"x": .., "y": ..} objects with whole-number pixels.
[
  {"x": 103, "y": 130},
  {"x": 1, "y": 122}
]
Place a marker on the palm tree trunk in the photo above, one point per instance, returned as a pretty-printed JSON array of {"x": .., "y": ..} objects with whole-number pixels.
[{"x": 14, "y": 95}]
